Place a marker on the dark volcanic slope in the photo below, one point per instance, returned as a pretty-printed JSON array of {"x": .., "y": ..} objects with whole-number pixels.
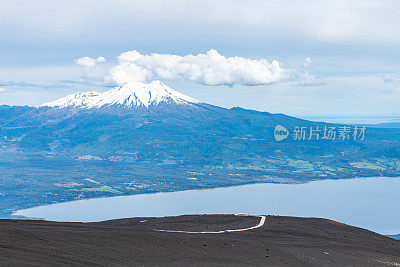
[{"x": 281, "y": 241}]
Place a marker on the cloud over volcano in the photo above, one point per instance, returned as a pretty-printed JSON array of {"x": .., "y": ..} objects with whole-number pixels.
[{"x": 211, "y": 68}]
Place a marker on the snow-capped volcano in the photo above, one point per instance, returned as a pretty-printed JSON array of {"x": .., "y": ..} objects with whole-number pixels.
[{"x": 134, "y": 94}]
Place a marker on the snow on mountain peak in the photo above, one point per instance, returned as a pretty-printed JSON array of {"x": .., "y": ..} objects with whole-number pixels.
[
  {"x": 133, "y": 94},
  {"x": 74, "y": 100}
]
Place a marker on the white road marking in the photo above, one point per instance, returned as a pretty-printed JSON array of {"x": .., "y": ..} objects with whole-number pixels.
[{"x": 261, "y": 223}]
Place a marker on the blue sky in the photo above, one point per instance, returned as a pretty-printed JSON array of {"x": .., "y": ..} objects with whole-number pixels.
[{"x": 353, "y": 47}]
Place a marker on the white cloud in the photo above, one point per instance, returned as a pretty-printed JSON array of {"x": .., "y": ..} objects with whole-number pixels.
[
  {"x": 368, "y": 21},
  {"x": 372, "y": 21},
  {"x": 89, "y": 62},
  {"x": 93, "y": 72},
  {"x": 307, "y": 79},
  {"x": 307, "y": 62},
  {"x": 211, "y": 68}
]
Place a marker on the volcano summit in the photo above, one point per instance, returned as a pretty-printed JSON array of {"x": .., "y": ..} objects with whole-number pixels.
[{"x": 132, "y": 94}]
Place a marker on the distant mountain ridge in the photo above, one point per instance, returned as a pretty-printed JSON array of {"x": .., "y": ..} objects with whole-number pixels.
[{"x": 138, "y": 111}]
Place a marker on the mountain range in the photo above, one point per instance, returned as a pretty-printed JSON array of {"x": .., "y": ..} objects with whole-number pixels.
[{"x": 140, "y": 138}]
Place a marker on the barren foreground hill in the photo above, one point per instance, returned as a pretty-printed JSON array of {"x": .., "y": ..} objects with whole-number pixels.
[{"x": 134, "y": 241}]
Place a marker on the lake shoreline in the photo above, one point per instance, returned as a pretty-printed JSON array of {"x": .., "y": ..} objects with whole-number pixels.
[
  {"x": 326, "y": 198},
  {"x": 15, "y": 213}
]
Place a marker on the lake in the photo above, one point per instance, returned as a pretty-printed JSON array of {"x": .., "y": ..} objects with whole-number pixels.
[{"x": 371, "y": 203}]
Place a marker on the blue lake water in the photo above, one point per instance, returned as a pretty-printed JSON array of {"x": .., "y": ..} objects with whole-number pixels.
[{"x": 372, "y": 203}]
